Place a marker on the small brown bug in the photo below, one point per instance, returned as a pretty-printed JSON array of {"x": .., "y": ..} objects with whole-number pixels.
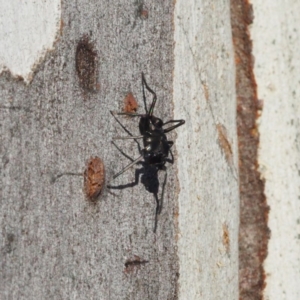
[
  {"x": 130, "y": 104},
  {"x": 94, "y": 177}
]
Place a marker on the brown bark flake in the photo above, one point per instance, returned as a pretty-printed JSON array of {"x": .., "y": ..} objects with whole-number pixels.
[
  {"x": 254, "y": 232},
  {"x": 224, "y": 143},
  {"x": 87, "y": 65},
  {"x": 130, "y": 104}
]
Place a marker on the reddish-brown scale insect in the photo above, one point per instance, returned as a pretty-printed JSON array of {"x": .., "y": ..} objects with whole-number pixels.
[
  {"x": 94, "y": 177},
  {"x": 130, "y": 104}
]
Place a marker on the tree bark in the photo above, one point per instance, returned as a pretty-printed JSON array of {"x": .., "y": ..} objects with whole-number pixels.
[
  {"x": 204, "y": 93},
  {"x": 276, "y": 42},
  {"x": 57, "y": 243}
]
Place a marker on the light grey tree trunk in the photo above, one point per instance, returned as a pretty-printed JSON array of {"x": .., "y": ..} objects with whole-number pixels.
[
  {"x": 276, "y": 42},
  {"x": 55, "y": 243},
  {"x": 204, "y": 93}
]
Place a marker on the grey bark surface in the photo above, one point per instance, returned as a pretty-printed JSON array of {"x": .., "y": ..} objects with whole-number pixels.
[{"x": 54, "y": 243}]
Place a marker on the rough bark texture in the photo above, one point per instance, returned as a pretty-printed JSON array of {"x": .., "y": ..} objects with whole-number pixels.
[
  {"x": 55, "y": 243},
  {"x": 254, "y": 232}
]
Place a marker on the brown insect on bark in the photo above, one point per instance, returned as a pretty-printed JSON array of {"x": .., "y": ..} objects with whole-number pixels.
[
  {"x": 130, "y": 104},
  {"x": 94, "y": 178}
]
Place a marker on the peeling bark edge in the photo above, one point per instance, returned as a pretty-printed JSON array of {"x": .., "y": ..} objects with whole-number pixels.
[
  {"x": 41, "y": 56},
  {"x": 254, "y": 232}
]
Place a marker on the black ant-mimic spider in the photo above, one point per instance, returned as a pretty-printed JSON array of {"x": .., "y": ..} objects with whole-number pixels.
[{"x": 156, "y": 145}]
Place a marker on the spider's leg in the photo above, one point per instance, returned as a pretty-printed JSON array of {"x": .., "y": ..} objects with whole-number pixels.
[
  {"x": 129, "y": 166},
  {"x": 171, "y": 161},
  {"x": 128, "y": 114},
  {"x": 144, "y": 83},
  {"x": 122, "y": 152},
  {"x": 144, "y": 96},
  {"x": 127, "y": 137},
  {"x": 124, "y": 128},
  {"x": 180, "y": 122},
  {"x": 138, "y": 172}
]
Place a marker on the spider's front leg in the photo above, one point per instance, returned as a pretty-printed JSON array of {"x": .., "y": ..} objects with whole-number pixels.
[
  {"x": 180, "y": 122},
  {"x": 144, "y": 84},
  {"x": 127, "y": 114}
]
